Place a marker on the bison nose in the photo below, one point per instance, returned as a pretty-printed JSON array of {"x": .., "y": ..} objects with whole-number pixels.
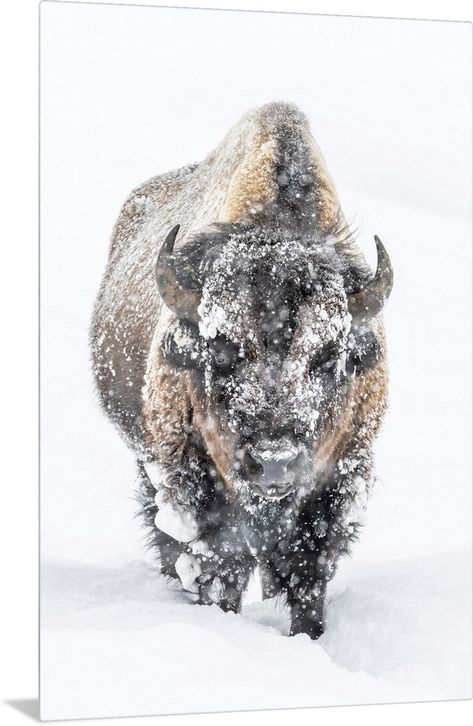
[
  {"x": 271, "y": 475},
  {"x": 274, "y": 469}
]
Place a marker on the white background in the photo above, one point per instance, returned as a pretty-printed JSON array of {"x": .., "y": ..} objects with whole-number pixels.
[{"x": 438, "y": 148}]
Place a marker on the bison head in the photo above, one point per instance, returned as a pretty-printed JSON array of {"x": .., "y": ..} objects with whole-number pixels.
[{"x": 276, "y": 330}]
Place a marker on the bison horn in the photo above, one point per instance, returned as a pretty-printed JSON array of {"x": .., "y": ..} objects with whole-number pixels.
[
  {"x": 182, "y": 300},
  {"x": 368, "y": 301}
]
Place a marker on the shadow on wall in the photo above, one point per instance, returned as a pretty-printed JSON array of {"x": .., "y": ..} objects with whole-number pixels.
[{"x": 28, "y": 706}]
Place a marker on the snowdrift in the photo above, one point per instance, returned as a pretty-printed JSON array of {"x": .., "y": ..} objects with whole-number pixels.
[{"x": 124, "y": 640}]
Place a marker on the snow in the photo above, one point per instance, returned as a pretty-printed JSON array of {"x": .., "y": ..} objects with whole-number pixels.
[
  {"x": 397, "y": 631},
  {"x": 155, "y": 474},
  {"x": 272, "y": 453},
  {"x": 178, "y": 524},
  {"x": 199, "y": 547},
  {"x": 188, "y": 570},
  {"x": 213, "y": 321}
]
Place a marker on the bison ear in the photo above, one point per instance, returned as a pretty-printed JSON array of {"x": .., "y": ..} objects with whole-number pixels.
[
  {"x": 364, "y": 351},
  {"x": 182, "y": 346}
]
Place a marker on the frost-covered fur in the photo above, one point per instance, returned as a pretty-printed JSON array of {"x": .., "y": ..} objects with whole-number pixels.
[{"x": 261, "y": 222}]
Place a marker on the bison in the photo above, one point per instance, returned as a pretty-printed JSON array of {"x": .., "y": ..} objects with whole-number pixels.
[{"x": 238, "y": 345}]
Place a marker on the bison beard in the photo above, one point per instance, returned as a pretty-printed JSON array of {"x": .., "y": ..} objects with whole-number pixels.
[{"x": 246, "y": 367}]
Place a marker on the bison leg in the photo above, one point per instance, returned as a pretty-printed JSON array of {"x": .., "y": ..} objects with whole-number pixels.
[
  {"x": 304, "y": 584},
  {"x": 224, "y": 580},
  {"x": 301, "y": 568},
  {"x": 307, "y": 609},
  {"x": 167, "y": 549},
  {"x": 307, "y": 561}
]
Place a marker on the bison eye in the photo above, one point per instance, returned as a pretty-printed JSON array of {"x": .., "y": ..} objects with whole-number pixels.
[
  {"x": 222, "y": 358},
  {"x": 328, "y": 365},
  {"x": 225, "y": 353},
  {"x": 324, "y": 361}
]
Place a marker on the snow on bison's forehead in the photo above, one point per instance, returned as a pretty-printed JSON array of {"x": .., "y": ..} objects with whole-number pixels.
[{"x": 275, "y": 320}]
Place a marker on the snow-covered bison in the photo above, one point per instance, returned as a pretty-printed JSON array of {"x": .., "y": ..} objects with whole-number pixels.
[{"x": 238, "y": 345}]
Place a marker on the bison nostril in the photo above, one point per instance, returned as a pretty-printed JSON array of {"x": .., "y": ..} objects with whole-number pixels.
[
  {"x": 252, "y": 465},
  {"x": 295, "y": 462}
]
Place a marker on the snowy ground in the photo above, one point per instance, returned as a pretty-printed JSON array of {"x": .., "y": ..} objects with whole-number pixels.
[{"x": 117, "y": 637}]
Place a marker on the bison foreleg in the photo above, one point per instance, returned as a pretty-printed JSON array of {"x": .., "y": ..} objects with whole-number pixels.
[
  {"x": 224, "y": 580},
  {"x": 326, "y": 527},
  {"x": 307, "y": 609},
  {"x": 299, "y": 576},
  {"x": 167, "y": 549}
]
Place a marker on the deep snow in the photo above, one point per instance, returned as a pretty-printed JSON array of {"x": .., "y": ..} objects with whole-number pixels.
[{"x": 121, "y": 640}]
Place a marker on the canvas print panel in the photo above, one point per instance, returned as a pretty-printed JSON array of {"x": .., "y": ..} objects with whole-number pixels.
[{"x": 254, "y": 431}]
